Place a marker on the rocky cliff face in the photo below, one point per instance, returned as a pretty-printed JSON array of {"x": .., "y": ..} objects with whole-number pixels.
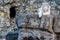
[{"x": 27, "y": 14}]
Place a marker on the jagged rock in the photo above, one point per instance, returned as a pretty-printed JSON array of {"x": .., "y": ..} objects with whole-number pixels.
[{"x": 34, "y": 34}]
